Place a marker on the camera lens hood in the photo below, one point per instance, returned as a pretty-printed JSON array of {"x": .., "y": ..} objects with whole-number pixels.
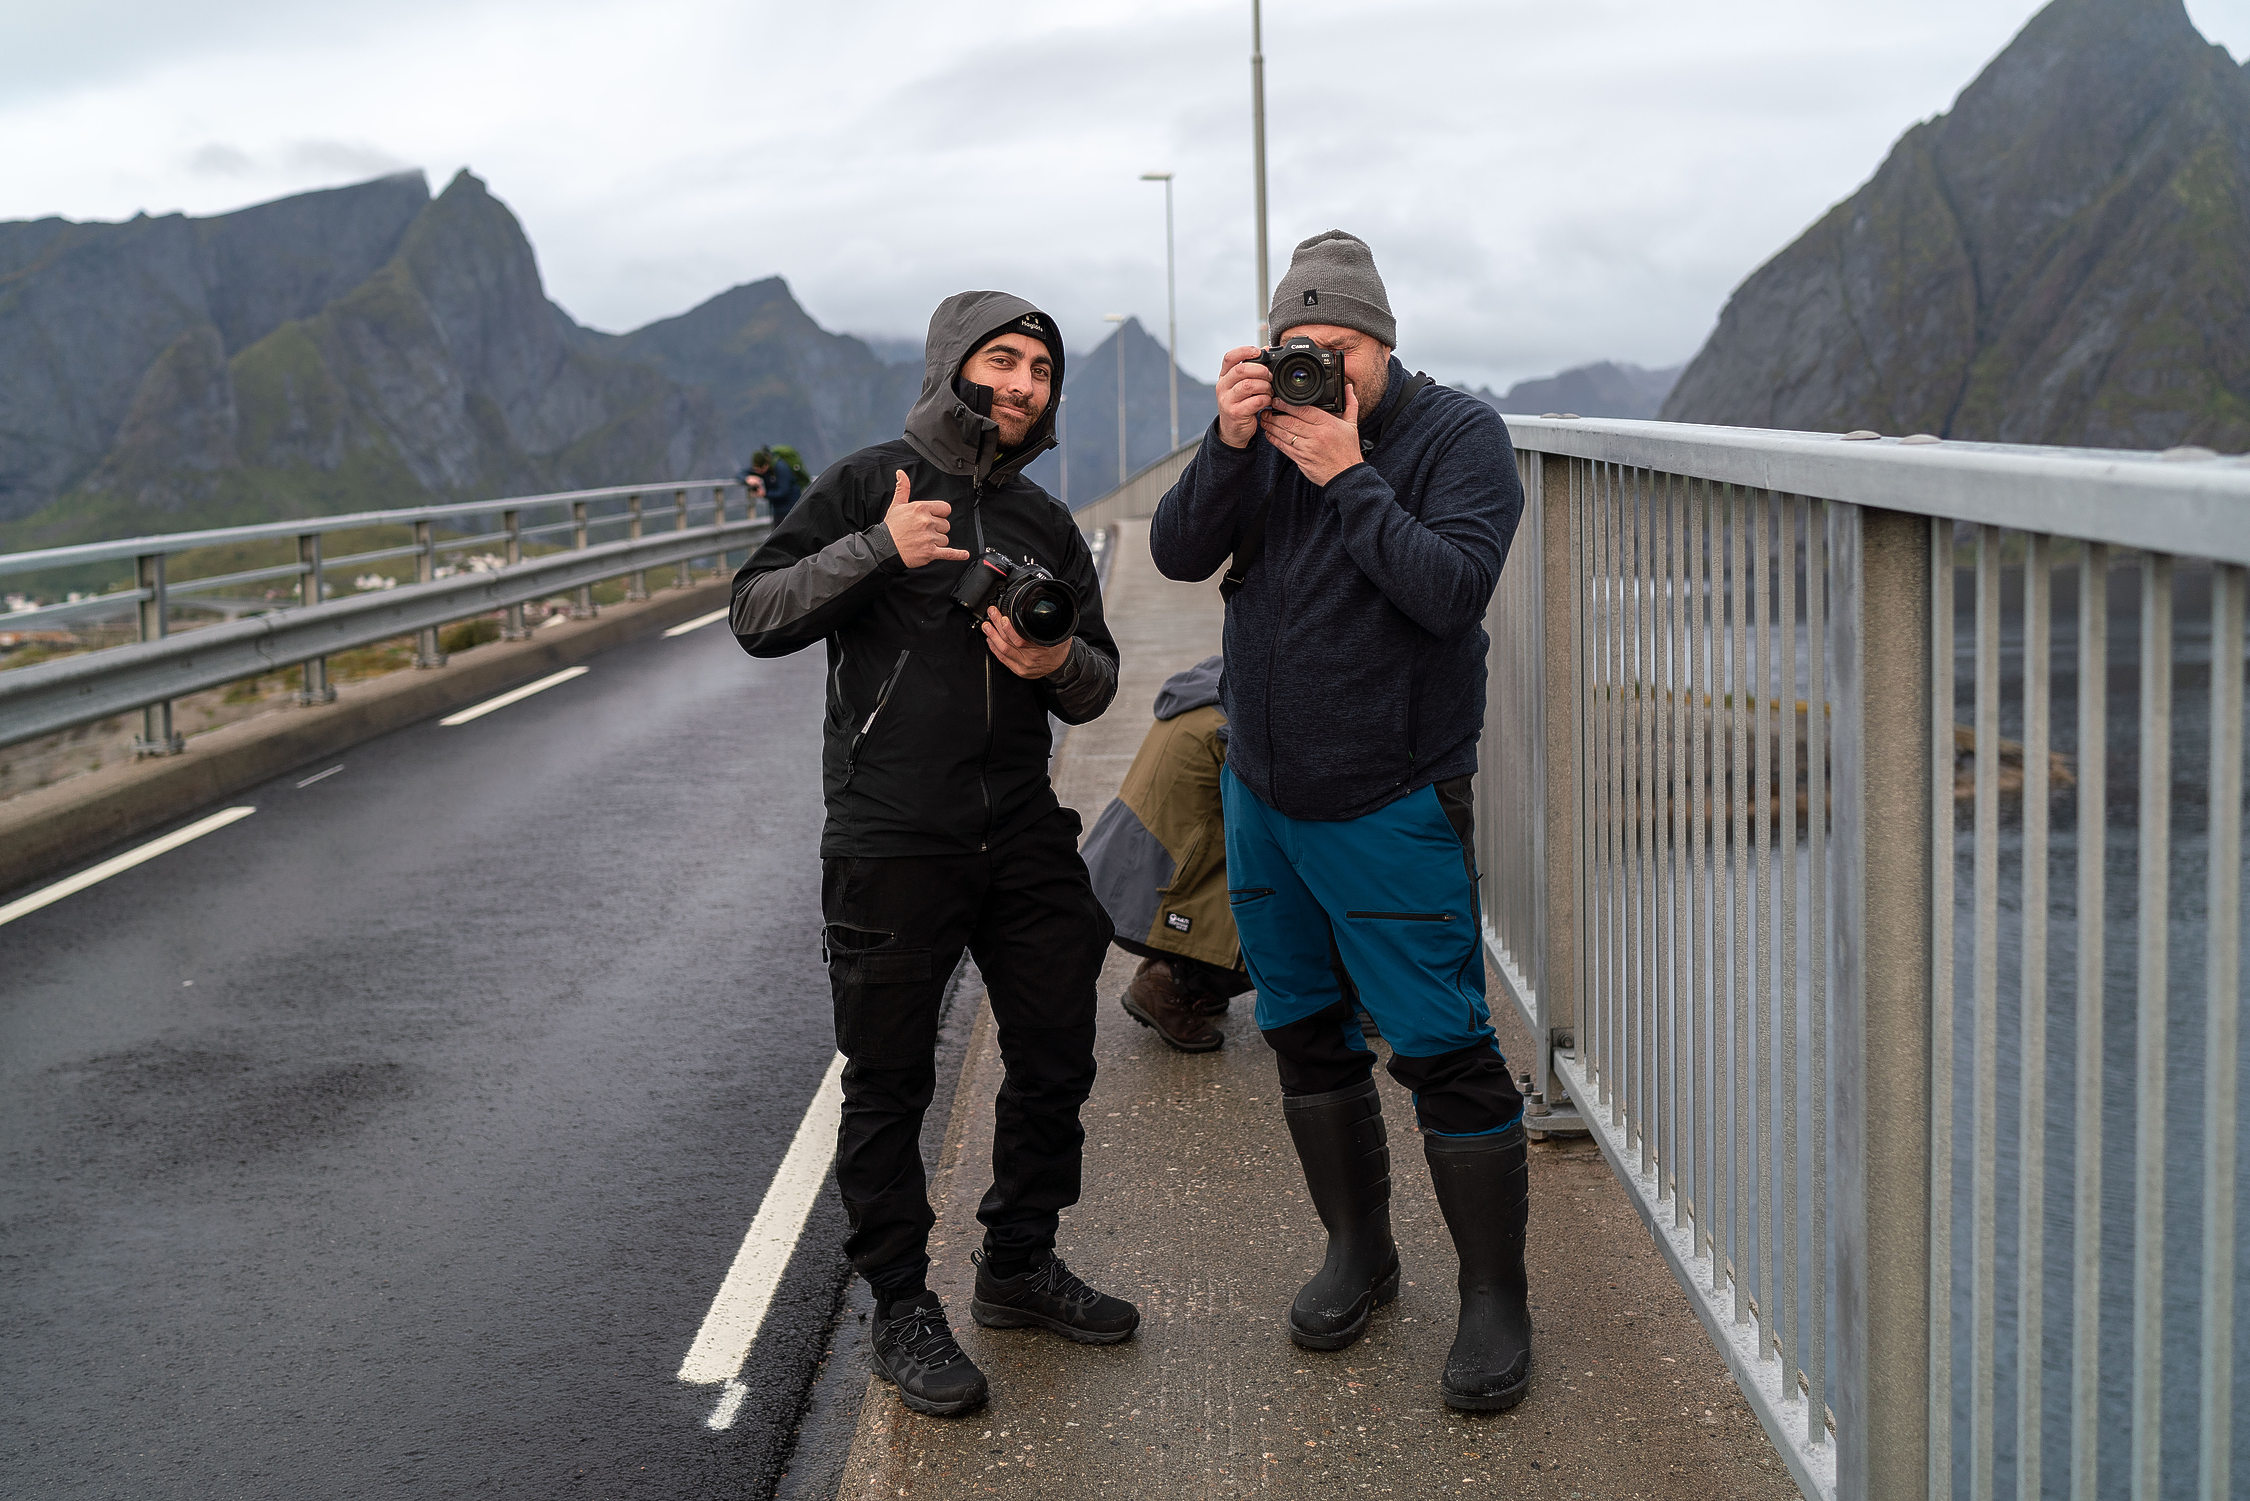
[{"x": 1043, "y": 610}]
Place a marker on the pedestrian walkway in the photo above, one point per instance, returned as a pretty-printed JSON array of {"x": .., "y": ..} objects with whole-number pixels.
[{"x": 1194, "y": 1207}]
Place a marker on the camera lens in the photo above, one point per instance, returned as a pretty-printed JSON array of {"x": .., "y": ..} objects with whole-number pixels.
[
  {"x": 1044, "y": 611},
  {"x": 1298, "y": 379}
]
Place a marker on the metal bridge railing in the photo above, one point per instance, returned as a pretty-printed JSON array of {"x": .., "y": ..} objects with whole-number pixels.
[
  {"x": 603, "y": 535},
  {"x": 1913, "y": 1027},
  {"x": 1139, "y": 494}
]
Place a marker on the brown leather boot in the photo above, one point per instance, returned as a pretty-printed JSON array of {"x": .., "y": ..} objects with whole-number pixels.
[{"x": 1154, "y": 1001}]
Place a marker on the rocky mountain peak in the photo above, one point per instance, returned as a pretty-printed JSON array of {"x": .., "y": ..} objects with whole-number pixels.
[{"x": 2056, "y": 259}]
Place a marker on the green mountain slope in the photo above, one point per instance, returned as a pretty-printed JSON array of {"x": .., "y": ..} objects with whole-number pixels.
[
  {"x": 775, "y": 375},
  {"x": 2058, "y": 259},
  {"x": 372, "y": 347},
  {"x": 441, "y": 372}
]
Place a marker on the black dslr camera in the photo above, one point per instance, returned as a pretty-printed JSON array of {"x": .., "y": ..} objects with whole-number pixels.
[
  {"x": 1041, "y": 607},
  {"x": 1306, "y": 375}
]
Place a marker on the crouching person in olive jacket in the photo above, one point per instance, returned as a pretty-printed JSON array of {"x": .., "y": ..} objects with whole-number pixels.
[{"x": 1158, "y": 856}]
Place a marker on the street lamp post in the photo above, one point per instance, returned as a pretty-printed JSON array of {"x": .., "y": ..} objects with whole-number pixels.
[
  {"x": 1119, "y": 320},
  {"x": 1258, "y": 141},
  {"x": 1171, "y": 305}
]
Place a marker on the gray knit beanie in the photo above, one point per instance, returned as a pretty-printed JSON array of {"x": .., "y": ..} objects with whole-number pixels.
[{"x": 1332, "y": 279}]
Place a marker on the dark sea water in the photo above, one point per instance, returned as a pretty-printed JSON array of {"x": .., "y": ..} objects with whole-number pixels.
[{"x": 2182, "y": 1120}]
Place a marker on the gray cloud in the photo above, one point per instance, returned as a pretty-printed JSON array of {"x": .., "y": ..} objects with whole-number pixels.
[
  {"x": 1544, "y": 185},
  {"x": 339, "y": 156},
  {"x": 218, "y": 159}
]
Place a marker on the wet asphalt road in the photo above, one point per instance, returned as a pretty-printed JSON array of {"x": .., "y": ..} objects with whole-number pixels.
[{"x": 393, "y": 1141}]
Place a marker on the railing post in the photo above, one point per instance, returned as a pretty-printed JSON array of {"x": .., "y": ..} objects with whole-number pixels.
[
  {"x": 1559, "y": 489},
  {"x": 316, "y": 689},
  {"x": 426, "y": 652},
  {"x": 719, "y": 518},
  {"x": 637, "y": 587},
  {"x": 157, "y": 736},
  {"x": 1884, "y": 629},
  {"x": 514, "y": 628},
  {"x": 584, "y": 608},
  {"x": 683, "y": 575}
]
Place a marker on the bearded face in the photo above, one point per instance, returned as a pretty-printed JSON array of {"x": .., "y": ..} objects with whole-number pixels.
[{"x": 1021, "y": 374}]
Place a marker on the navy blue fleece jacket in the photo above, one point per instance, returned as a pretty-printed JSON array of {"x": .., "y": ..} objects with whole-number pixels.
[{"x": 1355, "y": 648}]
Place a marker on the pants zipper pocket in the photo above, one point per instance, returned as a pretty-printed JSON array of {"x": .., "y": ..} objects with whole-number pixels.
[
  {"x": 882, "y": 697},
  {"x": 1405, "y": 916},
  {"x": 1237, "y": 895}
]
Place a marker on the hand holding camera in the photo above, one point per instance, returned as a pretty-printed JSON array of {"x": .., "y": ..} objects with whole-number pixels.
[
  {"x": 918, "y": 528},
  {"x": 1016, "y": 654},
  {"x": 1027, "y": 614},
  {"x": 1320, "y": 445},
  {"x": 1245, "y": 390}
]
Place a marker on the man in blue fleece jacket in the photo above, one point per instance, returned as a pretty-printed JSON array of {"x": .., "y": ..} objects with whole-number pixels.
[{"x": 1365, "y": 549}]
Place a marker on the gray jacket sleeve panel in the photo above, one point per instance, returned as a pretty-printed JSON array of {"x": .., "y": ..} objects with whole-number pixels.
[
  {"x": 779, "y": 610},
  {"x": 1083, "y": 686}
]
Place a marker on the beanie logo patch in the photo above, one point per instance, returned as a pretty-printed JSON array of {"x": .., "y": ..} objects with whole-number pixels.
[
  {"x": 1312, "y": 298},
  {"x": 1030, "y": 324}
]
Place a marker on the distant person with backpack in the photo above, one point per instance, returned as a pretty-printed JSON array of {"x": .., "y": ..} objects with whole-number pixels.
[{"x": 779, "y": 475}]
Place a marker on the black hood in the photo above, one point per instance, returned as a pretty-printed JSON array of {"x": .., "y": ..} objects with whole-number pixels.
[{"x": 942, "y": 427}]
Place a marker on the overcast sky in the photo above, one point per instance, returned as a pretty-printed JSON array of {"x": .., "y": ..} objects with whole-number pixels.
[{"x": 1543, "y": 183}]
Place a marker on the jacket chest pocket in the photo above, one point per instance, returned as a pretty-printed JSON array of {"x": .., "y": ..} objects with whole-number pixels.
[{"x": 867, "y": 726}]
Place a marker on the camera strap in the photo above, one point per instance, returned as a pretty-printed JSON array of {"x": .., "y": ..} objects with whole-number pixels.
[{"x": 1250, "y": 541}]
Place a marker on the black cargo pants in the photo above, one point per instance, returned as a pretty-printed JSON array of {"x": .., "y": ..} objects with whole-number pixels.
[{"x": 895, "y": 929}]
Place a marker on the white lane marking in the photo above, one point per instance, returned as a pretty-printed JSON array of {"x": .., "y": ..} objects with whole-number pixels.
[
  {"x": 515, "y": 695},
  {"x": 697, "y": 624},
  {"x": 739, "y": 1311},
  {"x": 730, "y": 1404},
  {"x": 318, "y": 776},
  {"x": 92, "y": 875}
]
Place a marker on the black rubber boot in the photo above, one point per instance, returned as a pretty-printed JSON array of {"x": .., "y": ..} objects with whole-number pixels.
[
  {"x": 915, "y": 1350},
  {"x": 1347, "y": 1161},
  {"x": 1484, "y": 1190}
]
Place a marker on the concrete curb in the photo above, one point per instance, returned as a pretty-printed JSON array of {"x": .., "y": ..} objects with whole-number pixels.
[{"x": 44, "y": 831}]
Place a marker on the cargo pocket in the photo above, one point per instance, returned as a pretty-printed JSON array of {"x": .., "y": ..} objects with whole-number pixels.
[{"x": 886, "y": 1013}]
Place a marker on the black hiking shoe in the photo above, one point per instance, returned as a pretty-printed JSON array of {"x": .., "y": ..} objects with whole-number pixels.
[
  {"x": 1049, "y": 1296},
  {"x": 916, "y": 1352}
]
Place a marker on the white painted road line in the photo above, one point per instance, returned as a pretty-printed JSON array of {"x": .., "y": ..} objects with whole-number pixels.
[
  {"x": 697, "y": 624},
  {"x": 739, "y": 1311},
  {"x": 22, "y": 906},
  {"x": 318, "y": 776},
  {"x": 514, "y": 695}
]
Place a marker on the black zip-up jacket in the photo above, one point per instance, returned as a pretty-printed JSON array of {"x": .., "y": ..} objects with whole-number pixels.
[
  {"x": 931, "y": 745},
  {"x": 1355, "y": 647}
]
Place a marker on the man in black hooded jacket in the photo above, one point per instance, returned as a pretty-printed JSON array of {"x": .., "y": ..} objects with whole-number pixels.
[{"x": 943, "y": 830}]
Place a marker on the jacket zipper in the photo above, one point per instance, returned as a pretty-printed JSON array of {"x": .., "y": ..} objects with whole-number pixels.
[
  {"x": 984, "y": 762},
  {"x": 882, "y": 697}
]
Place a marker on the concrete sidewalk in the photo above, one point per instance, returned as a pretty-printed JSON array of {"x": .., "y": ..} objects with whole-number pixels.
[{"x": 1194, "y": 1207}]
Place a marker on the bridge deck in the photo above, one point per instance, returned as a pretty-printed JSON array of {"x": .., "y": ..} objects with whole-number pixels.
[{"x": 1195, "y": 1208}]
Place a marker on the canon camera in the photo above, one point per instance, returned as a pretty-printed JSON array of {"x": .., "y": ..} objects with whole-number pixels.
[
  {"x": 1306, "y": 375},
  {"x": 1041, "y": 607}
]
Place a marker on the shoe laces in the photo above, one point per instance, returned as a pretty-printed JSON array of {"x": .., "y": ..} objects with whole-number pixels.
[
  {"x": 1052, "y": 1277},
  {"x": 925, "y": 1337}
]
